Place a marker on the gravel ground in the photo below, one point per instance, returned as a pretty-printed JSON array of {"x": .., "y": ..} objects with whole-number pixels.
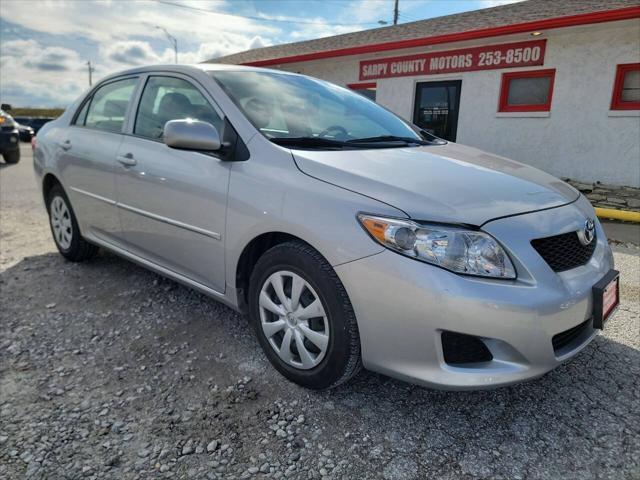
[{"x": 110, "y": 371}]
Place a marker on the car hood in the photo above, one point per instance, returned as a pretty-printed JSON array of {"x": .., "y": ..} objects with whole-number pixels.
[{"x": 441, "y": 183}]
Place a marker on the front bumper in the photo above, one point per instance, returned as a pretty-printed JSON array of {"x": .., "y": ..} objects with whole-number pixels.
[
  {"x": 404, "y": 305},
  {"x": 25, "y": 135}
]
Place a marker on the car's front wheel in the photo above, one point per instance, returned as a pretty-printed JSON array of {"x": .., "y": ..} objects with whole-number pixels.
[
  {"x": 64, "y": 228},
  {"x": 303, "y": 317}
]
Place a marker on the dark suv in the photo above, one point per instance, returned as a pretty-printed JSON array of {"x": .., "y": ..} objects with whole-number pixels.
[
  {"x": 38, "y": 122},
  {"x": 9, "y": 138}
]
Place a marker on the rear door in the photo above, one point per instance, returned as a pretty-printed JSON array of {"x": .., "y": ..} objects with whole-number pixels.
[
  {"x": 172, "y": 203},
  {"x": 88, "y": 157}
]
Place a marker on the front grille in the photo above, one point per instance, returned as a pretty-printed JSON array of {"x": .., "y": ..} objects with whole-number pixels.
[
  {"x": 459, "y": 348},
  {"x": 563, "y": 339},
  {"x": 564, "y": 252}
]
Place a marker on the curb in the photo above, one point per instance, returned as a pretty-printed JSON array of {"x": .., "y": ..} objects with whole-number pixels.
[{"x": 625, "y": 215}]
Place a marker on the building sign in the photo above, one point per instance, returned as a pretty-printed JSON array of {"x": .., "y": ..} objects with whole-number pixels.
[{"x": 506, "y": 55}]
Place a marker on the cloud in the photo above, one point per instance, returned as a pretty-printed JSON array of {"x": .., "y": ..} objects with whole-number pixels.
[
  {"x": 257, "y": 42},
  {"x": 52, "y": 59},
  {"x": 130, "y": 52},
  {"x": 34, "y": 74},
  {"x": 209, "y": 51},
  {"x": 114, "y": 36},
  {"x": 30, "y": 54},
  {"x": 307, "y": 32},
  {"x": 358, "y": 12},
  {"x": 19, "y": 48},
  {"x": 50, "y": 68},
  {"x": 496, "y": 3},
  {"x": 112, "y": 21}
]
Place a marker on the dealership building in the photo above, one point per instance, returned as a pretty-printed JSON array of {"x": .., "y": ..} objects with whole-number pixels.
[{"x": 551, "y": 83}]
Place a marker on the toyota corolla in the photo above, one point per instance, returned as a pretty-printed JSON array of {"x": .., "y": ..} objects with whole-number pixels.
[{"x": 348, "y": 236}]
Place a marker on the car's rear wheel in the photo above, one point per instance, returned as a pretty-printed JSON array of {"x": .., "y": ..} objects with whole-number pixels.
[
  {"x": 303, "y": 317},
  {"x": 11, "y": 157},
  {"x": 64, "y": 228}
]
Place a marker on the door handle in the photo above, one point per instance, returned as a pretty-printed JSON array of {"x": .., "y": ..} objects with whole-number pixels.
[
  {"x": 127, "y": 160},
  {"x": 66, "y": 145}
]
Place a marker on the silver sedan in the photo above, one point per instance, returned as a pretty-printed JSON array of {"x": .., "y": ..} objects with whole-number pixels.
[{"x": 349, "y": 237}]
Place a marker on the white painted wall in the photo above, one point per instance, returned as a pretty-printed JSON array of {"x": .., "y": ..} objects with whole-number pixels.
[{"x": 580, "y": 138}]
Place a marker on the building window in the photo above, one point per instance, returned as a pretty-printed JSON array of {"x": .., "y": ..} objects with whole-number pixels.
[
  {"x": 626, "y": 88},
  {"x": 365, "y": 89},
  {"x": 529, "y": 91}
]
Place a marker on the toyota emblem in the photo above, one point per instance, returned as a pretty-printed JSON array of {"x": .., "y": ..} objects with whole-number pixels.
[{"x": 588, "y": 233}]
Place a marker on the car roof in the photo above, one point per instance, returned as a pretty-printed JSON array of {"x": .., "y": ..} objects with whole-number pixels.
[{"x": 191, "y": 68}]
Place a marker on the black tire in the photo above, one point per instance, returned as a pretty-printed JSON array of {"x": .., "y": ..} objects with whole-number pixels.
[
  {"x": 342, "y": 360},
  {"x": 11, "y": 157},
  {"x": 79, "y": 249}
]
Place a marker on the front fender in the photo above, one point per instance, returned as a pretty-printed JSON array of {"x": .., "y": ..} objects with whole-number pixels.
[{"x": 272, "y": 195}]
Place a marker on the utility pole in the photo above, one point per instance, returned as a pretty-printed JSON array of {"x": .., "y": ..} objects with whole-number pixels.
[
  {"x": 172, "y": 39},
  {"x": 90, "y": 71},
  {"x": 395, "y": 12}
]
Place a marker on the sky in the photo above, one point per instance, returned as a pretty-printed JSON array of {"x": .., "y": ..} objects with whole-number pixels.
[{"x": 45, "y": 44}]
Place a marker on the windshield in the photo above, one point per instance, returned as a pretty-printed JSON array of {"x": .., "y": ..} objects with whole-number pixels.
[{"x": 284, "y": 106}]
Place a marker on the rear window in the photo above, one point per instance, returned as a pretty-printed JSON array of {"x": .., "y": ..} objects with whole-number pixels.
[{"x": 108, "y": 106}]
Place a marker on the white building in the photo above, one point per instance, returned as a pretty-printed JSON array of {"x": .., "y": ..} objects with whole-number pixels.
[{"x": 552, "y": 83}]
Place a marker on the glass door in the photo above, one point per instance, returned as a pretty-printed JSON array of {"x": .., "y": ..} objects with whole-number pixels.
[{"x": 436, "y": 107}]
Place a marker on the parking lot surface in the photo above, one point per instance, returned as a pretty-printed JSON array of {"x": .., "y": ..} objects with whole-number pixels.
[{"x": 110, "y": 371}]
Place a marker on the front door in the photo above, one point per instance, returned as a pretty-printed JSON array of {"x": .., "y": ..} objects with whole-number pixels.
[
  {"x": 172, "y": 202},
  {"x": 436, "y": 108}
]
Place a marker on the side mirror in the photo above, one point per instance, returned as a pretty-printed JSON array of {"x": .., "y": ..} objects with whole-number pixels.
[{"x": 188, "y": 134}]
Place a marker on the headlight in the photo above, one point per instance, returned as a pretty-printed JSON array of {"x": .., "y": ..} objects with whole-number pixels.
[
  {"x": 462, "y": 251},
  {"x": 7, "y": 122}
]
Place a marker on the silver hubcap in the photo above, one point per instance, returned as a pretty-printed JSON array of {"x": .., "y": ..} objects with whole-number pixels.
[
  {"x": 293, "y": 320},
  {"x": 61, "y": 223}
]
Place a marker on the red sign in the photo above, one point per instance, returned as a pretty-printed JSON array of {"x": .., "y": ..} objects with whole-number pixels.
[{"x": 506, "y": 55}]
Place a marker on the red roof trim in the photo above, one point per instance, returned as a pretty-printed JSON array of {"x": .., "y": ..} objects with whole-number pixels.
[
  {"x": 558, "y": 22},
  {"x": 361, "y": 86}
]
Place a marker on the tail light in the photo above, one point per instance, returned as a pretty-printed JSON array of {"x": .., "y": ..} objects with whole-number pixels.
[{"x": 33, "y": 143}]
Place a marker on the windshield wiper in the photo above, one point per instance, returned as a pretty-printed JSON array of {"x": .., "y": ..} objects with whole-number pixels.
[
  {"x": 308, "y": 142},
  {"x": 384, "y": 141},
  {"x": 388, "y": 139}
]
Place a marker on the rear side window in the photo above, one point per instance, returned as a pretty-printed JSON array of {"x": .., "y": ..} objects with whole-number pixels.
[
  {"x": 108, "y": 106},
  {"x": 170, "y": 98}
]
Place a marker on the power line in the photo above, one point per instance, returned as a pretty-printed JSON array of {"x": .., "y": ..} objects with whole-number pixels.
[
  {"x": 263, "y": 19},
  {"x": 408, "y": 18}
]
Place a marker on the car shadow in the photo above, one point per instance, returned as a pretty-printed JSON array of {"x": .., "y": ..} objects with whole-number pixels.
[{"x": 581, "y": 420}]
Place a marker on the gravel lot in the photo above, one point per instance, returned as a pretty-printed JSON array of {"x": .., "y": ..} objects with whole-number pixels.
[{"x": 110, "y": 371}]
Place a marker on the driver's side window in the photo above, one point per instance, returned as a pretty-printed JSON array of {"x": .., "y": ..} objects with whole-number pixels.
[{"x": 170, "y": 98}]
